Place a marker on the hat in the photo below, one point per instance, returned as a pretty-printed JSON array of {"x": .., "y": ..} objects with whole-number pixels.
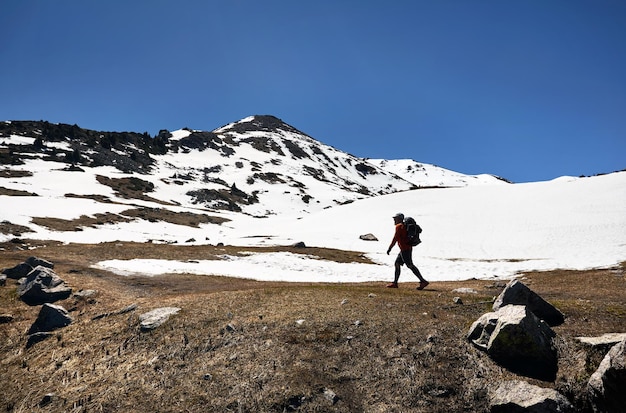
[{"x": 399, "y": 215}]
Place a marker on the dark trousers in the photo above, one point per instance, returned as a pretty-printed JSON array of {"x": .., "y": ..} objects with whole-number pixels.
[{"x": 406, "y": 257}]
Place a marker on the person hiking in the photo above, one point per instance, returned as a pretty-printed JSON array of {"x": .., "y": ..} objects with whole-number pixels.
[{"x": 405, "y": 255}]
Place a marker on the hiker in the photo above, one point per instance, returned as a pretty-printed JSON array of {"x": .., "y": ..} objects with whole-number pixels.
[{"x": 406, "y": 252}]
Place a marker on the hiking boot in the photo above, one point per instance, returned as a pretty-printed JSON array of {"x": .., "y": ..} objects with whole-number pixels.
[
  {"x": 392, "y": 285},
  {"x": 423, "y": 284}
]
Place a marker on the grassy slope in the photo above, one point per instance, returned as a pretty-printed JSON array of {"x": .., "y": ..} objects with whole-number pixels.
[{"x": 236, "y": 344}]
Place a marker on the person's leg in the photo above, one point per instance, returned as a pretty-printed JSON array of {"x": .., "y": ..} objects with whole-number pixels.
[
  {"x": 408, "y": 260},
  {"x": 396, "y": 274}
]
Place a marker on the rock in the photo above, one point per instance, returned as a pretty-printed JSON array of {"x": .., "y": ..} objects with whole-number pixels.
[
  {"x": 457, "y": 300},
  {"x": 517, "y": 293},
  {"x": 606, "y": 387},
  {"x": 3, "y": 280},
  {"x": 464, "y": 290},
  {"x": 36, "y": 262},
  {"x": 368, "y": 237},
  {"x": 518, "y": 396},
  {"x": 298, "y": 245},
  {"x": 43, "y": 285},
  {"x": 50, "y": 318},
  {"x": 21, "y": 270},
  {"x": 85, "y": 294},
  {"x": 47, "y": 399},
  {"x": 37, "y": 337},
  {"x": 331, "y": 396},
  {"x": 608, "y": 339},
  {"x": 156, "y": 317},
  {"x": 6, "y": 318},
  {"x": 516, "y": 339},
  {"x": 17, "y": 272}
]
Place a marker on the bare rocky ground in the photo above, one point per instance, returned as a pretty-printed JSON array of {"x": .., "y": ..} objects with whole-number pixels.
[{"x": 246, "y": 346}]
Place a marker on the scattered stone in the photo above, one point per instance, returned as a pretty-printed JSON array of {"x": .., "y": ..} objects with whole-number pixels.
[
  {"x": 300, "y": 322},
  {"x": 608, "y": 339},
  {"x": 368, "y": 237},
  {"x": 37, "y": 337},
  {"x": 371, "y": 295},
  {"x": 230, "y": 328},
  {"x": 21, "y": 270},
  {"x": 465, "y": 291},
  {"x": 6, "y": 318},
  {"x": 156, "y": 317},
  {"x": 331, "y": 396},
  {"x": 344, "y": 301},
  {"x": 298, "y": 245},
  {"x": 85, "y": 294},
  {"x": 17, "y": 272},
  {"x": 516, "y": 339},
  {"x": 3, "y": 280},
  {"x": 606, "y": 386},
  {"x": 519, "y": 397},
  {"x": 43, "y": 285},
  {"x": 47, "y": 399},
  {"x": 457, "y": 300},
  {"x": 50, "y": 318},
  {"x": 517, "y": 293}
]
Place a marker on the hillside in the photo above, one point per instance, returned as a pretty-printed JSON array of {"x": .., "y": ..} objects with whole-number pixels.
[{"x": 241, "y": 345}]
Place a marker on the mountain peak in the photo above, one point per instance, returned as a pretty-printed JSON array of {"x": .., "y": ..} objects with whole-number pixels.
[{"x": 258, "y": 123}]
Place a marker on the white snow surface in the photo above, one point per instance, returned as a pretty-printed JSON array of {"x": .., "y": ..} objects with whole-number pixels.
[{"x": 477, "y": 227}]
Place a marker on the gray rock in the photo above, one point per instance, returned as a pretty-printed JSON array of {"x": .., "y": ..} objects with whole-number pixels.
[
  {"x": 156, "y": 317},
  {"x": 6, "y": 318},
  {"x": 516, "y": 339},
  {"x": 21, "y": 270},
  {"x": 299, "y": 244},
  {"x": 50, "y": 318},
  {"x": 520, "y": 397},
  {"x": 36, "y": 262},
  {"x": 3, "y": 280},
  {"x": 37, "y": 337},
  {"x": 17, "y": 272},
  {"x": 465, "y": 290},
  {"x": 608, "y": 339},
  {"x": 43, "y": 285},
  {"x": 368, "y": 237},
  {"x": 607, "y": 386},
  {"x": 517, "y": 293},
  {"x": 82, "y": 294}
]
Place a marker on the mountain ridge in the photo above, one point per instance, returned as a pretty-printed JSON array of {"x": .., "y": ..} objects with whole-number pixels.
[{"x": 237, "y": 167}]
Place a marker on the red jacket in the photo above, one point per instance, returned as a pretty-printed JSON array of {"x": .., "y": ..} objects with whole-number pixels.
[{"x": 401, "y": 238}]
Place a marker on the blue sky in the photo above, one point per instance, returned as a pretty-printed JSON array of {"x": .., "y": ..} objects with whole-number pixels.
[{"x": 528, "y": 90}]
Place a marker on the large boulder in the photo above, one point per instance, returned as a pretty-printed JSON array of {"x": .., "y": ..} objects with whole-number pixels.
[
  {"x": 607, "y": 386},
  {"x": 516, "y": 396},
  {"x": 50, "y": 318},
  {"x": 517, "y": 293},
  {"x": 43, "y": 285},
  {"x": 516, "y": 339},
  {"x": 21, "y": 270}
]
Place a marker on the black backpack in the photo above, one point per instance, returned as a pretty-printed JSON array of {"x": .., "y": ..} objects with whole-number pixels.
[{"x": 413, "y": 231}]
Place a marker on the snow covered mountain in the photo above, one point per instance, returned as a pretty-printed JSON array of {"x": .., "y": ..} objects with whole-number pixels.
[
  {"x": 260, "y": 181},
  {"x": 258, "y": 166}
]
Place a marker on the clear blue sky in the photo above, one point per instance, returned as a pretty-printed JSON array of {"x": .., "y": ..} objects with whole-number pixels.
[{"x": 526, "y": 89}]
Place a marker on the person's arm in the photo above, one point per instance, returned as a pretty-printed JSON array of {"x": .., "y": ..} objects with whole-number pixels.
[{"x": 393, "y": 241}]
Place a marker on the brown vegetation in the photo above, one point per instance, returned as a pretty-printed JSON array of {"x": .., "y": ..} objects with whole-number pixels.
[{"x": 242, "y": 345}]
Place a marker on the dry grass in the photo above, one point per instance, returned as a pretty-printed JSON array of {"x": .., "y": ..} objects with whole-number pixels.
[{"x": 236, "y": 345}]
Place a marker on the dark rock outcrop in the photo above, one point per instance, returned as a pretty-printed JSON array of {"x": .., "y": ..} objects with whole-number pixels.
[{"x": 43, "y": 285}]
